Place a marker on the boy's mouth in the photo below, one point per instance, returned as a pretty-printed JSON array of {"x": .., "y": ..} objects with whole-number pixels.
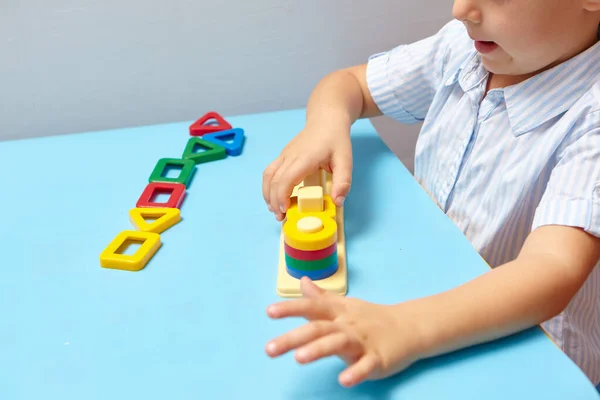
[{"x": 485, "y": 47}]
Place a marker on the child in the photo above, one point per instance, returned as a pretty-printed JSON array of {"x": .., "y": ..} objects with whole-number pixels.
[{"x": 509, "y": 96}]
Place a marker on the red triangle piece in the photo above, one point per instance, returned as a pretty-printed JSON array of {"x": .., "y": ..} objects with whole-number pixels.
[{"x": 199, "y": 128}]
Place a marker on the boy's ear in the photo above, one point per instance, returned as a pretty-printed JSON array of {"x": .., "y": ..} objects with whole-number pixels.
[{"x": 591, "y": 5}]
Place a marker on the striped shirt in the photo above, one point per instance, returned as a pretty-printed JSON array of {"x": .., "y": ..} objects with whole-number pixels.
[{"x": 502, "y": 164}]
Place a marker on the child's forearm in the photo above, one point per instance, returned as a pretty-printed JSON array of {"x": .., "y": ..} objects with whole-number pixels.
[
  {"x": 341, "y": 97},
  {"x": 515, "y": 296}
]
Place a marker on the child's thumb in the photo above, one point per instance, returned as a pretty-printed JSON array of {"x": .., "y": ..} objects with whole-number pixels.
[{"x": 341, "y": 177}]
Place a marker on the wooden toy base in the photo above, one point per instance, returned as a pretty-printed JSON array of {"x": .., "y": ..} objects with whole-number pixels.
[{"x": 289, "y": 287}]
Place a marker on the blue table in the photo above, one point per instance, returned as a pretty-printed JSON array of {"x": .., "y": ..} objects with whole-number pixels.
[{"x": 192, "y": 324}]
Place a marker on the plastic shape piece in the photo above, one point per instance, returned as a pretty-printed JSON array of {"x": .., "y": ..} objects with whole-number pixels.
[
  {"x": 113, "y": 258},
  {"x": 210, "y": 151},
  {"x": 176, "y": 193},
  {"x": 221, "y": 138},
  {"x": 315, "y": 275},
  {"x": 187, "y": 168},
  {"x": 200, "y": 127},
  {"x": 309, "y": 255},
  {"x": 165, "y": 218},
  {"x": 301, "y": 265},
  {"x": 319, "y": 240}
]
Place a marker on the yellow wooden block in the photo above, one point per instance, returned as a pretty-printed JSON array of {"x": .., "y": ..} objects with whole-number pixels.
[
  {"x": 329, "y": 209},
  {"x": 165, "y": 218},
  {"x": 113, "y": 257},
  {"x": 289, "y": 287},
  {"x": 314, "y": 179},
  {"x": 310, "y": 199},
  {"x": 310, "y": 241}
]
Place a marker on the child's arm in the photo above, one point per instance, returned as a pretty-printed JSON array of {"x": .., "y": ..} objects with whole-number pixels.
[
  {"x": 341, "y": 97},
  {"x": 377, "y": 341},
  {"x": 553, "y": 265},
  {"x": 336, "y": 103}
]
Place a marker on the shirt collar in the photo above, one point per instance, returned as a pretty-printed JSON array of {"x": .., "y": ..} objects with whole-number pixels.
[{"x": 541, "y": 97}]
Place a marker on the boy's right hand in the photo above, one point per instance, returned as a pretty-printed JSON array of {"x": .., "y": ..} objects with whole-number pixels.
[{"x": 328, "y": 148}]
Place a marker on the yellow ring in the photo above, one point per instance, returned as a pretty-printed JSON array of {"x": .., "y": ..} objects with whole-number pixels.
[{"x": 310, "y": 241}]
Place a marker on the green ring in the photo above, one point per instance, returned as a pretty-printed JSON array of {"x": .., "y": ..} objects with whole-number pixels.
[{"x": 311, "y": 265}]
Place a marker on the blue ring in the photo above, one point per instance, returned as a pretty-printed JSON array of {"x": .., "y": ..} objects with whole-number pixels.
[{"x": 313, "y": 275}]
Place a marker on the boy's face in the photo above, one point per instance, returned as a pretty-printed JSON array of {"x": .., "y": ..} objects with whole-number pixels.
[{"x": 522, "y": 37}]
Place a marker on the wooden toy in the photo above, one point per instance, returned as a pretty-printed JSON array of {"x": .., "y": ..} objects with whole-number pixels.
[
  {"x": 164, "y": 218},
  {"x": 222, "y": 138},
  {"x": 187, "y": 168},
  {"x": 313, "y": 249},
  {"x": 209, "y": 151},
  {"x": 200, "y": 127},
  {"x": 176, "y": 192},
  {"x": 310, "y": 199},
  {"x": 113, "y": 257}
]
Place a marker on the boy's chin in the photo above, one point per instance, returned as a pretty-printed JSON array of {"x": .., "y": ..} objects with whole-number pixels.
[{"x": 497, "y": 67}]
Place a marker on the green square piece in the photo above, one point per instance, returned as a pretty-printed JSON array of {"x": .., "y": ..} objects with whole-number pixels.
[
  {"x": 210, "y": 151},
  {"x": 187, "y": 167}
]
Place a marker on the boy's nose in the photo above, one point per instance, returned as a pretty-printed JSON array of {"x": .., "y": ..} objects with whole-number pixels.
[{"x": 467, "y": 10}]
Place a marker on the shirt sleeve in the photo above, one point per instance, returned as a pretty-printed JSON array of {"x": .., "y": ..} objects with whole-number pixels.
[
  {"x": 572, "y": 196},
  {"x": 403, "y": 81}
]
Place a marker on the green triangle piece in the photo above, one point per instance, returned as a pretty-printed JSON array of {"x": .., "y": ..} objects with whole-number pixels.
[{"x": 208, "y": 151}]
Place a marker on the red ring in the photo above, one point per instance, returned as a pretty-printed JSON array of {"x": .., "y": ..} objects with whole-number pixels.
[{"x": 310, "y": 255}]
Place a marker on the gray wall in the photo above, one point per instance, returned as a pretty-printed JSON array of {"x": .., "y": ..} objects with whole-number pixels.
[{"x": 78, "y": 65}]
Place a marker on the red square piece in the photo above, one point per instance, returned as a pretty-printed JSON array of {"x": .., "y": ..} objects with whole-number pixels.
[
  {"x": 175, "y": 190},
  {"x": 200, "y": 127}
]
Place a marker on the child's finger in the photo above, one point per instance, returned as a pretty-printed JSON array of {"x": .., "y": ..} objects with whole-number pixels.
[
  {"x": 300, "y": 336},
  {"x": 268, "y": 174},
  {"x": 360, "y": 371},
  {"x": 306, "y": 308},
  {"x": 293, "y": 175},
  {"x": 276, "y": 181},
  {"x": 341, "y": 176},
  {"x": 336, "y": 343}
]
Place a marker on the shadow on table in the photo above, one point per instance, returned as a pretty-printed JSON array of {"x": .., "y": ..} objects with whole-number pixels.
[
  {"x": 392, "y": 388},
  {"x": 359, "y": 207}
]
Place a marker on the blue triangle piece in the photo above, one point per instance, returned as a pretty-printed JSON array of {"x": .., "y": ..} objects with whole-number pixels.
[{"x": 232, "y": 139}]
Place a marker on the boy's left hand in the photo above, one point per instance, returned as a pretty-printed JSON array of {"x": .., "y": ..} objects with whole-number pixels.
[{"x": 374, "y": 340}]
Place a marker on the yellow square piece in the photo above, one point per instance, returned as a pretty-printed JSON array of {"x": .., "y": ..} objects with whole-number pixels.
[
  {"x": 310, "y": 199},
  {"x": 112, "y": 256}
]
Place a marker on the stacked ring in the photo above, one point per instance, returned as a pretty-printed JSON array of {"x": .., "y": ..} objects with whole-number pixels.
[{"x": 310, "y": 244}]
